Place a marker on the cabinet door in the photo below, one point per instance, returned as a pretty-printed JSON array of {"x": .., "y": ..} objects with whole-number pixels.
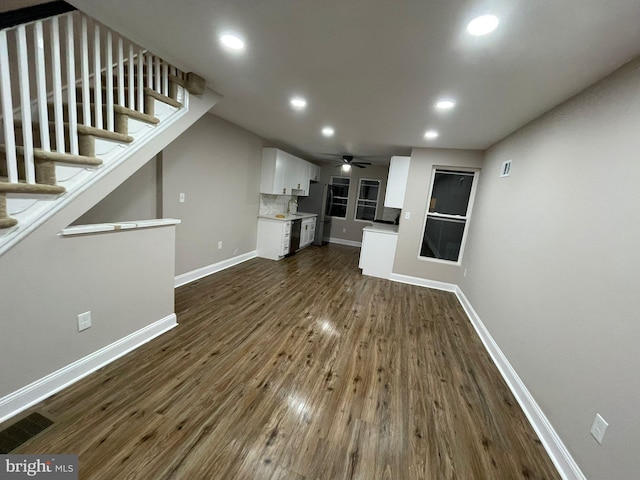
[{"x": 397, "y": 182}]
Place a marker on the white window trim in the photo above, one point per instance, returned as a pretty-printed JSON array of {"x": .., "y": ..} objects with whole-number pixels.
[
  {"x": 355, "y": 210},
  {"x": 348, "y": 193},
  {"x": 467, "y": 218}
]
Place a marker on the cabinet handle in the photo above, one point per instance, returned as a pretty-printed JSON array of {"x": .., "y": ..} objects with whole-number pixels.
[
  {"x": 284, "y": 190},
  {"x": 298, "y": 186}
]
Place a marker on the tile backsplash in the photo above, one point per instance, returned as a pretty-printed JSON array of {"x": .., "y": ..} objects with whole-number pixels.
[{"x": 274, "y": 204}]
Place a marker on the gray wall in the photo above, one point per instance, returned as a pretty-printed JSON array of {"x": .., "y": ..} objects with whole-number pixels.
[
  {"x": 553, "y": 264},
  {"x": 217, "y": 165},
  {"x": 415, "y": 203},
  {"x": 135, "y": 199},
  {"x": 354, "y": 227}
]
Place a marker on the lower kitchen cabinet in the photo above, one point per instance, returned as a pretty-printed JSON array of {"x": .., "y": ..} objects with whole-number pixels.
[
  {"x": 378, "y": 250},
  {"x": 274, "y": 237},
  {"x": 307, "y": 232}
]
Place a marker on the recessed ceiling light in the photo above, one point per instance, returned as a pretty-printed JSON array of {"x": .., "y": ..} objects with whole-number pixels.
[
  {"x": 445, "y": 104},
  {"x": 483, "y": 25},
  {"x": 327, "y": 131},
  {"x": 298, "y": 103},
  {"x": 431, "y": 134},
  {"x": 232, "y": 41}
]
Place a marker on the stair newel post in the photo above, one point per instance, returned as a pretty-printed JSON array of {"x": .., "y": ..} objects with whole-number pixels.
[
  {"x": 56, "y": 66},
  {"x": 140, "y": 82},
  {"x": 109, "y": 82},
  {"x": 97, "y": 75},
  {"x": 7, "y": 110},
  {"x": 25, "y": 103},
  {"x": 84, "y": 72},
  {"x": 131, "y": 83},
  {"x": 71, "y": 87}
]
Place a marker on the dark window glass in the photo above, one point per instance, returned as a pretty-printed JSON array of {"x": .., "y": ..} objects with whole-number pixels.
[
  {"x": 451, "y": 193},
  {"x": 442, "y": 238}
]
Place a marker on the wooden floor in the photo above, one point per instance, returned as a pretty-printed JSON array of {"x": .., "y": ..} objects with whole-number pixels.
[{"x": 300, "y": 369}]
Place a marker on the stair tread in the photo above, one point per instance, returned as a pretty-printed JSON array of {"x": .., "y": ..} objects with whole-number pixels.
[
  {"x": 145, "y": 117},
  {"x": 44, "y": 155},
  {"x": 34, "y": 188},
  {"x": 87, "y": 130},
  {"x": 147, "y": 91}
]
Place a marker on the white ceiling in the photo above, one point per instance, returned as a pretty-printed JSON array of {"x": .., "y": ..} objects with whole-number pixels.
[{"x": 373, "y": 69}]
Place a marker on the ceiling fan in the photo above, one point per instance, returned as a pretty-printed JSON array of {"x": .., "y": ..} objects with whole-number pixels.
[{"x": 348, "y": 160}]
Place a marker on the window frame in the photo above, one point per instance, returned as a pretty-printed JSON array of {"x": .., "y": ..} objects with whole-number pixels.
[
  {"x": 346, "y": 209},
  {"x": 375, "y": 213},
  {"x": 467, "y": 217}
]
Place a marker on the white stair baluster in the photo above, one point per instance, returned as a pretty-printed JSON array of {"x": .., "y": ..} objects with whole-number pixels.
[
  {"x": 109, "y": 83},
  {"x": 120, "y": 73},
  {"x": 84, "y": 73},
  {"x": 150, "y": 71},
  {"x": 140, "y": 82},
  {"x": 97, "y": 76},
  {"x": 158, "y": 76},
  {"x": 57, "y": 85},
  {"x": 41, "y": 86},
  {"x": 71, "y": 89},
  {"x": 7, "y": 110},
  {"x": 165, "y": 79},
  {"x": 25, "y": 103},
  {"x": 131, "y": 83}
]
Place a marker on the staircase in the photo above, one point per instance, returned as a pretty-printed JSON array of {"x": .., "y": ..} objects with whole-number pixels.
[{"x": 77, "y": 99}]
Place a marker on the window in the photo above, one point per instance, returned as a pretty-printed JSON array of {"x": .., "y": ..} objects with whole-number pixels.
[
  {"x": 448, "y": 214},
  {"x": 367, "y": 205},
  {"x": 339, "y": 197}
]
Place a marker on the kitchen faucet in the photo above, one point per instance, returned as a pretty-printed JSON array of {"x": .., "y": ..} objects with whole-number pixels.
[{"x": 295, "y": 202}]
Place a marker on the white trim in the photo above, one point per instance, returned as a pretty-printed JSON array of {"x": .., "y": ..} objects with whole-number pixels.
[
  {"x": 423, "y": 282},
  {"x": 560, "y": 456},
  {"x": 39, "y": 390},
  {"x": 113, "y": 227},
  {"x": 194, "y": 275},
  {"x": 341, "y": 241}
]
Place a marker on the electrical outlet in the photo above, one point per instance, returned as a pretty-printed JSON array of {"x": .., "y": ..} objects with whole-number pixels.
[
  {"x": 84, "y": 321},
  {"x": 344, "y": 230},
  {"x": 220, "y": 245},
  {"x": 465, "y": 272},
  {"x": 182, "y": 197},
  {"x": 407, "y": 215},
  {"x": 598, "y": 428}
]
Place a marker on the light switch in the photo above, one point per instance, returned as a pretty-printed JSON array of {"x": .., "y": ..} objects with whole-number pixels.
[{"x": 181, "y": 197}]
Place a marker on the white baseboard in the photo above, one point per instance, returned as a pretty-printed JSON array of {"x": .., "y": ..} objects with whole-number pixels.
[
  {"x": 194, "y": 275},
  {"x": 340, "y": 241},
  {"x": 37, "y": 391},
  {"x": 560, "y": 456},
  {"x": 423, "y": 282}
]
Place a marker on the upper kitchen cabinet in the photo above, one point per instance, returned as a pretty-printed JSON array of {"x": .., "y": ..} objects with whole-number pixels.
[
  {"x": 283, "y": 174},
  {"x": 314, "y": 172},
  {"x": 397, "y": 182}
]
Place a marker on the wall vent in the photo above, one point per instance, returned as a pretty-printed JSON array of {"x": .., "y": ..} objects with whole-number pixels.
[{"x": 506, "y": 169}]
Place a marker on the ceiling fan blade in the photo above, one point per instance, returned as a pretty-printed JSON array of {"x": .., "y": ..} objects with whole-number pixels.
[{"x": 358, "y": 165}]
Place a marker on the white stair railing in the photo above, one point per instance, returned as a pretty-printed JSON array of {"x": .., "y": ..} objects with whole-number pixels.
[{"x": 48, "y": 62}]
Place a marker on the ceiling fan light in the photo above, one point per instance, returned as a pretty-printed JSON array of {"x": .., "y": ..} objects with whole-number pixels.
[{"x": 346, "y": 167}]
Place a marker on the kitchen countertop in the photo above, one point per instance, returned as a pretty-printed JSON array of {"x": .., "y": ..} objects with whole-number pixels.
[
  {"x": 289, "y": 216},
  {"x": 382, "y": 228}
]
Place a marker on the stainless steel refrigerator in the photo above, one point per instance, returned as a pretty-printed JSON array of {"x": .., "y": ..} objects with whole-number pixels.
[{"x": 318, "y": 201}]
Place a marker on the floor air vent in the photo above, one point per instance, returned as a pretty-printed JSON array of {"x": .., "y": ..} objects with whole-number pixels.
[{"x": 21, "y": 431}]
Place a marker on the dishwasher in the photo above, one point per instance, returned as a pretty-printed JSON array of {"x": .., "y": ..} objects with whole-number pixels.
[{"x": 294, "y": 238}]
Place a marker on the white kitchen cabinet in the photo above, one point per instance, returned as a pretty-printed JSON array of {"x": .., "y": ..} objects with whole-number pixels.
[
  {"x": 378, "y": 250},
  {"x": 307, "y": 232},
  {"x": 283, "y": 174},
  {"x": 314, "y": 172},
  {"x": 397, "y": 182},
  {"x": 273, "y": 238}
]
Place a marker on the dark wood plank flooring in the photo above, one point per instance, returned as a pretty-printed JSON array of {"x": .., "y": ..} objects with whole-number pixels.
[{"x": 300, "y": 369}]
